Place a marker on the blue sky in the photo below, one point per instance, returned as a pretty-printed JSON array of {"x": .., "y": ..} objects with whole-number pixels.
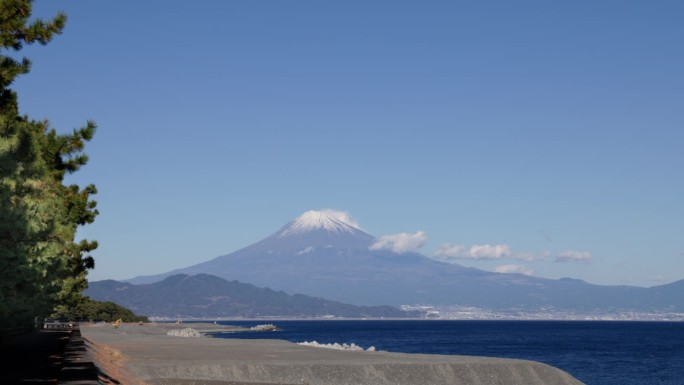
[{"x": 537, "y": 137}]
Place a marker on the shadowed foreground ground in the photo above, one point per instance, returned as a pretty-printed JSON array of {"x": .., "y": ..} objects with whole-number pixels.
[
  {"x": 34, "y": 357},
  {"x": 48, "y": 357},
  {"x": 146, "y": 355}
]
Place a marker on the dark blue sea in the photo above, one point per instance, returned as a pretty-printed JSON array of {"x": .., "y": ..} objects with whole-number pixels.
[{"x": 596, "y": 353}]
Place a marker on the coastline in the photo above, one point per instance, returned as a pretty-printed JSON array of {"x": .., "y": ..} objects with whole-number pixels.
[{"x": 146, "y": 355}]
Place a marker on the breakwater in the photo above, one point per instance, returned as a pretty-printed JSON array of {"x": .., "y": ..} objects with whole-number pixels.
[{"x": 150, "y": 355}]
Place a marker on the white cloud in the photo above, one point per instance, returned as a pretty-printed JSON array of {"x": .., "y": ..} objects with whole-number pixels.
[
  {"x": 487, "y": 252},
  {"x": 307, "y": 250},
  {"x": 477, "y": 252},
  {"x": 490, "y": 252},
  {"x": 519, "y": 269},
  {"x": 448, "y": 251},
  {"x": 400, "y": 243},
  {"x": 574, "y": 256}
]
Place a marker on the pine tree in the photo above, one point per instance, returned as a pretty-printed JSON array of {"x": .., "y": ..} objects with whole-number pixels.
[{"x": 42, "y": 268}]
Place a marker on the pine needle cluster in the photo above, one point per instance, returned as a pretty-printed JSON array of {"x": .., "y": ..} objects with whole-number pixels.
[{"x": 42, "y": 267}]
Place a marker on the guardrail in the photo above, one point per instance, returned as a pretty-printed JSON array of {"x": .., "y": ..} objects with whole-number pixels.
[
  {"x": 52, "y": 325},
  {"x": 59, "y": 325}
]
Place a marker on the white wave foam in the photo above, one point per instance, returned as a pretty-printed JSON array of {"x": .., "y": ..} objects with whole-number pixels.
[
  {"x": 187, "y": 332},
  {"x": 336, "y": 346},
  {"x": 264, "y": 328}
]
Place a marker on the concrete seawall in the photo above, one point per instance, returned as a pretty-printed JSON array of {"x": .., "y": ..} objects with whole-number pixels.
[{"x": 147, "y": 355}]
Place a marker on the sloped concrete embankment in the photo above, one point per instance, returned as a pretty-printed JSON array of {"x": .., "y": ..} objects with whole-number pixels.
[{"x": 151, "y": 356}]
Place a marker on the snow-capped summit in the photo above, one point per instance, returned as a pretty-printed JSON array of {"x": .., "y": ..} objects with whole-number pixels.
[{"x": 329, "y": 220}]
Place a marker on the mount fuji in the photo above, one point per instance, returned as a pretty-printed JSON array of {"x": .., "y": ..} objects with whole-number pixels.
[{"x": 326, "y": 254}]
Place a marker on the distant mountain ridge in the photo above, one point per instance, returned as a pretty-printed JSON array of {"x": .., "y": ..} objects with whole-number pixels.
[
  {"x": 325, "y": 254},
  {"x": 208, "y": 296}
]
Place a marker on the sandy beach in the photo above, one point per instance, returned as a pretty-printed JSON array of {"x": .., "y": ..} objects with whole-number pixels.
[{"x": 135, "y": 354}]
